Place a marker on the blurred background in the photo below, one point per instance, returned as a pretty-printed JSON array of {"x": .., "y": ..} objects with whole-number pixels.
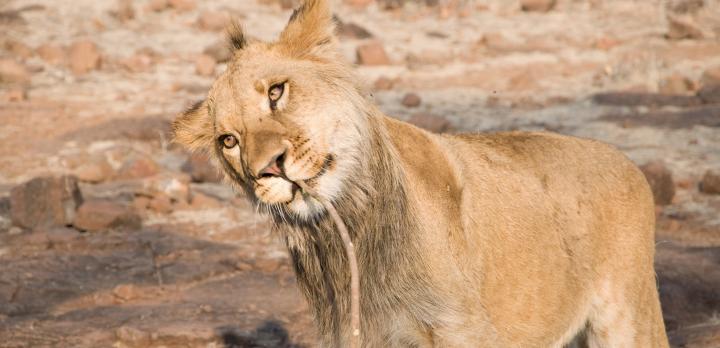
[{"x": 112, "y": 236}]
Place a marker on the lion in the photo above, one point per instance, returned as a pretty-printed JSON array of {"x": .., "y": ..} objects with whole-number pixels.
[{"x": 511, "y": 239}]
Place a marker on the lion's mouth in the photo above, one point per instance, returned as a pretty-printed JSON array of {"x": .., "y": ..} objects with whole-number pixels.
[{"x": 276, "y": 171}]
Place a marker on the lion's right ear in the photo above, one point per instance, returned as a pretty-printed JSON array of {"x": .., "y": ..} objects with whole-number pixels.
[{"x": 194, "y": 128}]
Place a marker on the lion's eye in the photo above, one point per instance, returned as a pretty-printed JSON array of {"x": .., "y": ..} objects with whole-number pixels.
[
  {"x": 275, "y": 93},
  {"x": 229, "y": 141}
]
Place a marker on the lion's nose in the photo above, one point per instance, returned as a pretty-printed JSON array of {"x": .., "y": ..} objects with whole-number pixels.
[{"x": 274, "y": 166}]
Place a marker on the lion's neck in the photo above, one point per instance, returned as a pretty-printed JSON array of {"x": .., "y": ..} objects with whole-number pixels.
[{"x": 374, "y": 206}]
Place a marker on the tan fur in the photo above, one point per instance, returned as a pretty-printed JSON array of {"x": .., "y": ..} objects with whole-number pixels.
[{"x": 490, "y": 240}]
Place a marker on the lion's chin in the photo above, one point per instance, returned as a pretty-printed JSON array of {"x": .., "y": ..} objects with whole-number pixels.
[{"x": 274, "y": 191}]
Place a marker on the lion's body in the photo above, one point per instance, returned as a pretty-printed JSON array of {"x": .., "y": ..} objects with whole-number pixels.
[{"x": 490, "y": 240}]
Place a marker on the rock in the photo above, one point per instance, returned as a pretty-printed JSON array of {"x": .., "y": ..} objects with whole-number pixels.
[
  {"x": 200, "y": 169},
  {"x": 124, "y": 11},
  {"x": 711, "y": 76},
  {"x": 430, "y": 122},
  {"x": 13, "y": 72},
  {"x": 213, "y": 21},
  {"x": 141, "y": 203},
  {"x": 137, "y": 167},
  {"x": 132, "y": 336},
  {"x": 352, "y": 31},
  {"x": 45, "y": 202},
  {"x": 175, "y": 186},
  {"x": 19, "y": 49},
  {"x": 383, "y": 84},
  {"x": 660, "y": 180},
  {"x": 537, "y": 5},
  {"x": 52, "y": 54},
  {"x": 675, "y": 84},
  {"x": 137, "y": 63},
  {"x": 126, "y": 292},
  {"x": 14, "y": 94},
  {"x": 84, "y": 57},
  {"x": 99, "y": 215},
  {"x": 685, "y": 6},
  {"x": 359, "y": 3},
  {"x": 161, "y": 203},
  {"x": 268, "y": 265},
  {"x": 205, "y": 65},
  {"x": 606, "y": 43},
  {"x": 203, "y": 201},
  {"x": 94, "y": 172},
  {"x": 411, "y": 100},
  {"x": 710, "y": 93},
  {"x": 219, "y": 51},
  {"x": 372, "y": 53},
  {"x": 158, "y": 5},
  {"x": 683, "y": 27},
  {"x": 182, "y": 5},
  {"x": 710, "y": 182}
]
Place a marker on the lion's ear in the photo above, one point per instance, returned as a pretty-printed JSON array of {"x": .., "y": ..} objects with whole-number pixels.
[
  {"x": 194, "y": 128},
  {"x": 311, "y": 31}
]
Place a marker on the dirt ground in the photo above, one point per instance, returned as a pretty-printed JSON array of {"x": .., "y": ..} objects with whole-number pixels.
[{"x": 158, "y": 253}]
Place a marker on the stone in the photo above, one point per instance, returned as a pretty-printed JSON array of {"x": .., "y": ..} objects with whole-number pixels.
[
  {"x": 126, "y": 292},
  {"x": 710, "y": 76},
  {"x": 537, "y": 5},
  {"x": 430, "y": 122},
  {"x": 675, "y": 84},
  {"x": 683, "y": 27},
  {"x": 213, "y": 20},
  {"x": 205, "y": 65},
  {"x": 182, "y": 5},
  {"x": 411, "y": 100},
  {"x": 14, "y": 94},
  {"x": 95, "y": 171},
  {"x": 141, "y": 203},
  {"x": 97, "y": 215},
  {"x": 158, "y": 5},
  {"x": 200, "y": 169},
  {"x": 383, "y": 84},
  {"x": 710, "y": 182},
  {"x": 219, "y": 51},
  {"x": 161, "y": 203},
  {"x": 359, "y": 3},
  {"x": 124, "y": 10},
  {"x": 45, "y": 202},
  {"x": 352, "y": 31},
  {"x": 13, "y": 72},
  {"x": 137, "y": 167},
  {"x": 84, "y": 57},
  {"x": 372, "y": 53},
  {"x": 661, "y": 181},
  {"x": 19, "y": 49},
  {"x": 710, "y": 93},
  {"x": 173, "y": 185},
  {"x": 52, "y": 54},
  {"x": 132, "y": 336},
  {"x": 137, "y": 63},
  {"x": 203, "y": 201}
]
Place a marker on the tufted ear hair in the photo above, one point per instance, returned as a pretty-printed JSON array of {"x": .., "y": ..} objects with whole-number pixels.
[
  {"x": 236, "y": 36},
  {"x": 193, "y": 129},
  {"x": 310, "y": 31}
]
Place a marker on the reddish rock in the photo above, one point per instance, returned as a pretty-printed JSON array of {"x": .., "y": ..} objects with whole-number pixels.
[
  {"x": 174, "y": 185},
  {"x": 710, "y": 182},
  {"x": 711, "y": 76},
  {"x": 132, "y": 336},
  {"x": 683, "y": 27},
  {"x": 141, "y": 203},
  {"x": 430, "y": 122},
  {"x": 126, "y": 292},
  {"x": 203, "y": 201},
  {"x": 45, "y": 202},
  {"x": 411, "y": 100},
  {"x": 606, "y": 43},
  {"x": 137, "y": 63},
  {"x": 19, "y": 49},
  {"x": 182, "y": 5},
  {"x": 200, "y": 169},
  {"x": 213, "y": 21},
  {"x": 383, "y": 84},
  {"x": 84, "y": 57},
  {"x": 13, "y": 72},
  {"x": 710, "y": 93},
  {"x": 99, "y": 215},
  {"x": 359, "y": 3},
  {"x": 14, "y": 94},
  {"x": 661, "y": 181},
  {"x": 124, "y": 11},
  {"x": 352, "y": 31},
  {"x": 268, "y": 265},
  {"x": 219, "y": 51},
  {"x": 537, "y": 5},
  {"x": 161, "y": 203},
  {"x": 675, "y": 84},
  {"x": 158, "y": 5},
  {"x": 138, "y": 167},
  {"x": 372, "y": 53},
  {"x": 205, "y": 65},
  {"x": 52, "y": 54},
  {"x": 96, "y": 171}
]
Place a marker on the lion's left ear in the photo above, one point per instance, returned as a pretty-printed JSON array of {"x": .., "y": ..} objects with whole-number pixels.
[
  {"x": 193, "y": 129},
  {"x": 311, "y": 31}
]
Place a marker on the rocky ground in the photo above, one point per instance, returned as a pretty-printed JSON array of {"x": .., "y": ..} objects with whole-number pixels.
[{"x": 112, "y": 236}]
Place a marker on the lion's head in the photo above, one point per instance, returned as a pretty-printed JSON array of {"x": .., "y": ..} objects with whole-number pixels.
[{"x": 282, "y": 112}]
